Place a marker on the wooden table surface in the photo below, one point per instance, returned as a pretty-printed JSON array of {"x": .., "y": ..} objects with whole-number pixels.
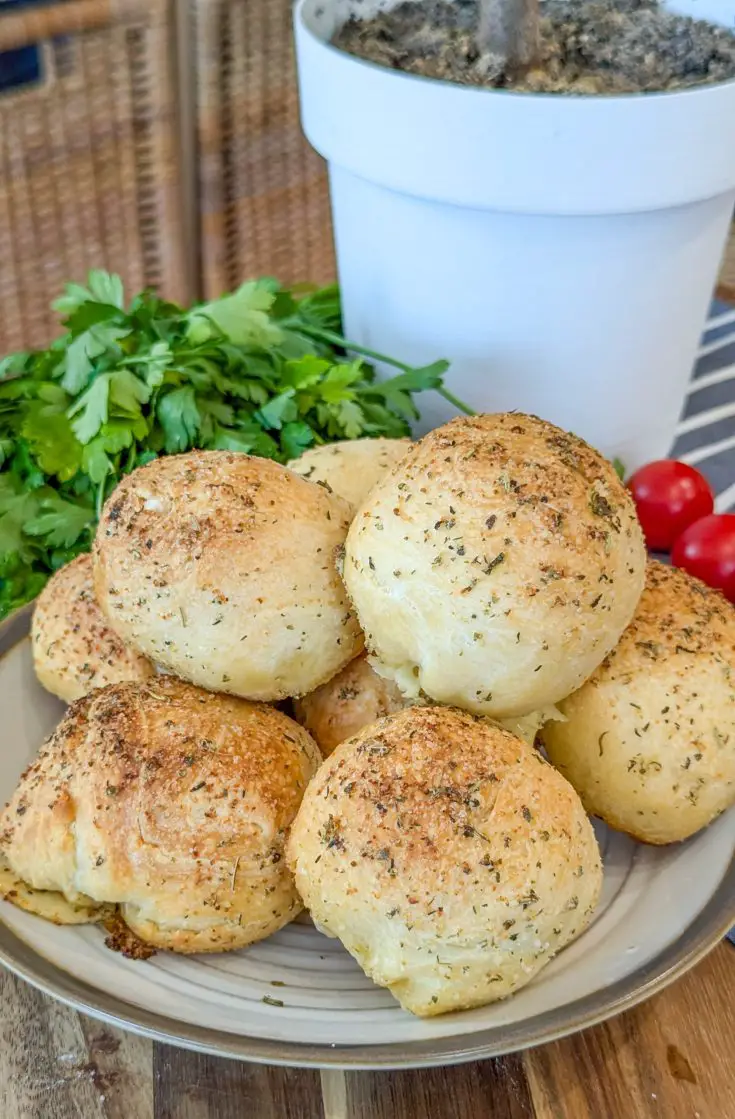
[
  {"x": 726, "y": 289},
  {"x": 671, "y": 1058}
]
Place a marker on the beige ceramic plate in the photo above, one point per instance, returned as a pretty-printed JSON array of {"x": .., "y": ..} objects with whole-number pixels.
[{"x": 661, "y": 911}]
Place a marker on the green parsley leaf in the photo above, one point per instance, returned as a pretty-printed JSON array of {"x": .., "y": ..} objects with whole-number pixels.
[
  {"x": 106, "y": 287},
  {"x": 88, "y": 315},
  {"x": 12, "y": 365},
  {"x": 305, "y": 372},
  {"x": 127, "y": 392},
  {"x": 82, "y": 352},
  {"x": 157, "y": 362},
  {"x": 352, "y": 419},
  {"x": 241, "y": 317},
  {"x": 16, "y": 509},
  {"x": 282, "y": 409},
  {"x": 103, "y": 287},
  {"x": 91, "y": 409},
  {"x": 55, "y": 447},
  {"x": 295, "y": 438},
  {"x": 180, "y": 419},
  {"x": 95, "y": 460},
  {"x": 60, "y": 522},
  {"x": 250, "y": 439},
  {"x": 78, "y": 364}
]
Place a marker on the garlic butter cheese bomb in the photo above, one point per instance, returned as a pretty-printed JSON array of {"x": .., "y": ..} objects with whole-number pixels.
[
  {"x": 352, "y": 467},
  {"x": 449, "y": 858},
  {"x": 169, "y": 801},
  {"x": 74, "y": 647},
  {"x": 222, "y": 568},
  {"x": 649, "y": 740},
  {"x": 496, "y": 565}
]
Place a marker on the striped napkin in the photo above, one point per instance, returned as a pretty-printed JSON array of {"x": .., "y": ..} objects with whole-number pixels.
[{"x": 706, "y": 432}]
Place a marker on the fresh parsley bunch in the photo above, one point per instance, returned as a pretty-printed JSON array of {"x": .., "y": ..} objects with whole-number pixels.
[{"x": 264, "y": 370}]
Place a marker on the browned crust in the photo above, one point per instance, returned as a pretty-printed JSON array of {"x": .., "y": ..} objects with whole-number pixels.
[
  {"x": 171, "y": 801},
  {"x": 75, "y": 650}
]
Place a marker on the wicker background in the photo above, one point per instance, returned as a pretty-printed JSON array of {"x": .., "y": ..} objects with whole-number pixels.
[
  {"x": 89, "y": 170},
  {"x": 104, "y": 164},
  {"x": 263, "y": 201},
  {"x": 162, "y": 142}
]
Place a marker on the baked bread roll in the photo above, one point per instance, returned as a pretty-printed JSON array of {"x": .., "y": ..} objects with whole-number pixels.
[
  {"x": 496, "y": 565},
  {"x": 649, "y": 740},
  {"x": 448, "y": 857},
  {"x": 351, "y": 700},
  {"x": 74, "y": 648},
  {"x": 350, "y": 468},
  {"x": 172, "y": 803},
  {"x": 221, "y": 568}
]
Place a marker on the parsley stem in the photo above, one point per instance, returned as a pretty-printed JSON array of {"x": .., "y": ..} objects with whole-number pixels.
[
  {"x": 333, "y": 339},
  {"x": 336, "y": 340},
  {"x": 100, "y": 498},
  {"x": 455, "y": 401}
]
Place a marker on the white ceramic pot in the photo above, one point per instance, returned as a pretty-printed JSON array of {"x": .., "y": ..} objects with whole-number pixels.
[
  {"x": 717, "y": 11},
  {"x": 561, "y": 251}
]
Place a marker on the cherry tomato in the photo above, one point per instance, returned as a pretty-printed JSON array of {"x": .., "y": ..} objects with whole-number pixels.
[
  {"x": 707, "y": 550},
  {"x": 669, "y": 496}
]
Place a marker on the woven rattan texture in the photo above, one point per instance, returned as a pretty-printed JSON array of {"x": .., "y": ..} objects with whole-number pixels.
[
  {"x": 89, "y": 173},
  {"x": 262, "y": 192}
]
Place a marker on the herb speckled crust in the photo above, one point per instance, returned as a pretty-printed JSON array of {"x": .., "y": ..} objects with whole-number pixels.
[
  {"x": 496, "y": 565},
  {"x": 74, "y": 648},
  {"x": 221, "y": 568},
  {"x": 649, "y": 741},
  {"x": 448, "y": 857},
  {"x": 352, "y": 467},
  {"x": 173, "y": 803}
]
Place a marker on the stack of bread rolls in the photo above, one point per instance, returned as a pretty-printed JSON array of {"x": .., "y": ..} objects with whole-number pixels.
[{"x": 430, "y": 614}]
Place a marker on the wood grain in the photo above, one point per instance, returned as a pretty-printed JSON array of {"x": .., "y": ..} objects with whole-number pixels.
[
  {"x": 670, "y": 1058},
  {"x": 196, "y": 1086},
  {"x": 56, "y": 1064},
  {"x": 667, "y": 1059},
  {"x": 496, "y": 1088},
  {"x": 726, "y": 288}
]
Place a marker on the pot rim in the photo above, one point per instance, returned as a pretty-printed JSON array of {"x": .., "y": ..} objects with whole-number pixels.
[{"x": 480, "y": 149}]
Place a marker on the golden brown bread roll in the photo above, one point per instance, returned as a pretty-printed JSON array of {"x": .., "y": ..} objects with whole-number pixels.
[
  {"x": 649, "y": 739},
  {"x": 350, "y": 468},
  {"x": 448, "y": 857},
  {"x": 221, "y": 568},
  {"x": 74, "y": 648},
  {"x": 351, "y": 700},
  {"x": 496, "y": 565},
  {"x": 173, "y": 803}
]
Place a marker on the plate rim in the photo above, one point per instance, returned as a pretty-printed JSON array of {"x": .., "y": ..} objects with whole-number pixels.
[{"x": 695, "y": 942}]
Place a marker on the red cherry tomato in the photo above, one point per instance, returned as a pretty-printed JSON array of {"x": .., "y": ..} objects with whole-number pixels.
[
  {"x": 707, "y": 550},
  {"x": 669, "y": 496}
]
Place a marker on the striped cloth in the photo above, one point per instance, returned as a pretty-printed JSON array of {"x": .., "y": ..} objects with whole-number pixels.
[{"x": 706, "y": 432}]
